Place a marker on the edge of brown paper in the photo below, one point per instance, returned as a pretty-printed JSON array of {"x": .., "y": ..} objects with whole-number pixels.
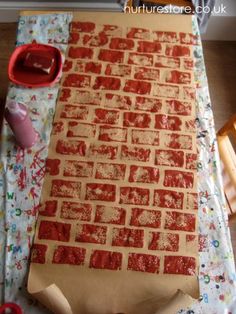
[{"x": 53, "y": 298}]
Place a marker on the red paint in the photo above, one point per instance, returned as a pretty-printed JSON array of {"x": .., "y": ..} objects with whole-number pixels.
[
  {"x": 138, "y": 120},
  {"x": 178, "y": 141},
  {"x": 71, "y": 147},
  {"x": 69, "y": 255},
  {"x": 38, "y": 253},
  {"x": 177, "y": 51},
  {"x": 180, "y": 222},
  {"x": 178, "y": 77},
  {"x": 180, "y": 265},
  {"x": 100, "y": 192},
  {"x": 189, "y": 39},
  {"x": 121, "y": 44},
  {"x": 179, "y": 179},
  {"x": 62, "y": 188},
  {"x": 110, "y": 83},
  {"x": 77, "y": 80},
  {"x": 67, "y": 66},
  {"x": 52, "y": 166},
  {"x": 148, "y": 104},
  {"x": 87, "y": 97},
  {"x": 103, "y": 151},
  {"x": 105, "y": 260},
  {"x": 134, "y": 196},
  {"x": 112, "y": 56},
  {"x": 144, "y": 174},
  {"x": 189, "y": 93},
  {"x": 167, "y": 62},
  {"x": 106, "y": 116},
  {"x": 117, "y": 101},
  {"x": 91, "y": 234},
  {"x": 74, "y": 112},
  {"x": 86, "y": 27},
  {"x": 145, "y": 218},
  {"x": 145, "y": 137},
  {"x": 58, "y": 127},
  {"x": 191, "y": 161},
  {"x": 144, "y": 263},
  {"x": 74, "y": 168},
  {"x": 167, "y": 91},
  {"x": 168, "y": 199},
  {"x": 74, "y": 210},
  {"x": 49, "y": 208},
  {"x": 110, "y": 171},
  {"x": 88, "y": 67},
  {"x": 135, "y": 153},
  {"x": 65, "y": 94},
  {"x": 51, "y": 230},
  {"x": 170, "y": 158},
  {"x": 74, "y": 38},
  {"x": 164, "y": 241},
  {"x": 192, "y": 201},
  {"x": 202, "y": 243},
  {"x": 139, "y": 33},
  {"x": 108, "y": 134},
  {"x": 166, "y": 37},
  {"x": 140, "y": 59},
  {"x": 149, "y": 47},
  {"x": 128, "y": 237},
  {"x": 137, "y": 87},
  {"x": 165, "y": 122},
  {"x": 110, "y": 215},
  {"x": 95, "y": 41},
  {"x": 118, "y": 70},
  {"x": 76, "y": 129},
  {"x": 150, "y": 74},
  {"x": 178, "y": 107}
]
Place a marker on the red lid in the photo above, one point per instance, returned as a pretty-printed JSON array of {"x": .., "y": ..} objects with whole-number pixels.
[
  {"x": 15, "y": 309},
  {"x": 19, "y": 74}
]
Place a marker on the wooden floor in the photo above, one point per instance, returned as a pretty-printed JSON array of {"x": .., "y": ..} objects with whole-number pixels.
[{"x": 220, "y": 59}]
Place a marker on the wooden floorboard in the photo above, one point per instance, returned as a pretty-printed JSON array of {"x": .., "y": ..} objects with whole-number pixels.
[{"x": 220, "y": 60}]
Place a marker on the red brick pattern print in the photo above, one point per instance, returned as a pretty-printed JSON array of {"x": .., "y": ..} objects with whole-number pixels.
[{"x": 120, "y": 191}]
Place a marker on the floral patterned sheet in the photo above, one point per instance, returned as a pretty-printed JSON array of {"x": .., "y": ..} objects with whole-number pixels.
[{"x": 22, "y": 173}]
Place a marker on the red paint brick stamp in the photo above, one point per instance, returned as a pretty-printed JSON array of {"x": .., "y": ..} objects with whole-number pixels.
[
  {"x": 150, "y": 74},
  {"x": 138, "y": 120},
  {"x": 80, "y": 52},
  {"x": 74, "y": 210},
  {"x": 178, "y": 107},
  {"x": 71, "y": 147},
  {"x": 164, "y": 241},
  {"x": 101, "y": 259},
  {"x": 118, "y": 70},
  {"x": 110, "y": 134},
  {"x": 180, "y": 221},
  {"x": 137, "y": 87},
  {"x": 135, "y": 153},
  {"x": 105, "y": 82},
  {"x": 106, "y": 116},
  {"x": 168, "y": 199},
  {"x": 148, "y": 104},
  {"x": 69, "y": 255},
  {"x": 76, "y": 129},
  {"x": 122, "y": 44},
  {"x": 127, "y": 237},
  {"x": 178, "y": 179},
  {"x": 112, "y": 56},
  {"x": 110, "y": 171},
  {"x": 49, "y": 208},
  {"x": 62, "y": 188},
  {"x": 134, "y": 196},
  {"x": 52, "y": 230},
  {"x": 144, "y": 263},
  {"x": 145, "y": 137},
  {"x": 100, "y": 192},
  {"x": 77, "y": 80},
  {"x": 74, "y": 112},
  {"x": 138, "y": 33},
  {"x": 110, "y": 215},
  {"x": 165, "y": 122},
  {"x": 144, "y": 174},
  {"x": 52, "y": 166},
  {"x": 117, "y": 101},
  {"x": 180, "y": 265},
  {"x": 38, "y": 253},
  {"x": 74, "y": 168},
  {"x": 149, "y": 47},
  {"x": 145, "y": 218},
  {"x": 170, "y": 158},
  {"x": 142, "y": 59},
  {"x": 103, "y": 151},
  {"x": 91, "y": 234}
]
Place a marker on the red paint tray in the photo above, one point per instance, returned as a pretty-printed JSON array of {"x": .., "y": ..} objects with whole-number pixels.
[{"x": 21, "y": 75}]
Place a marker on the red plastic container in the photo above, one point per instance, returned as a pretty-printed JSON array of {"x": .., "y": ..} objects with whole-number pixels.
[{"x": 21, "y": 75}]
